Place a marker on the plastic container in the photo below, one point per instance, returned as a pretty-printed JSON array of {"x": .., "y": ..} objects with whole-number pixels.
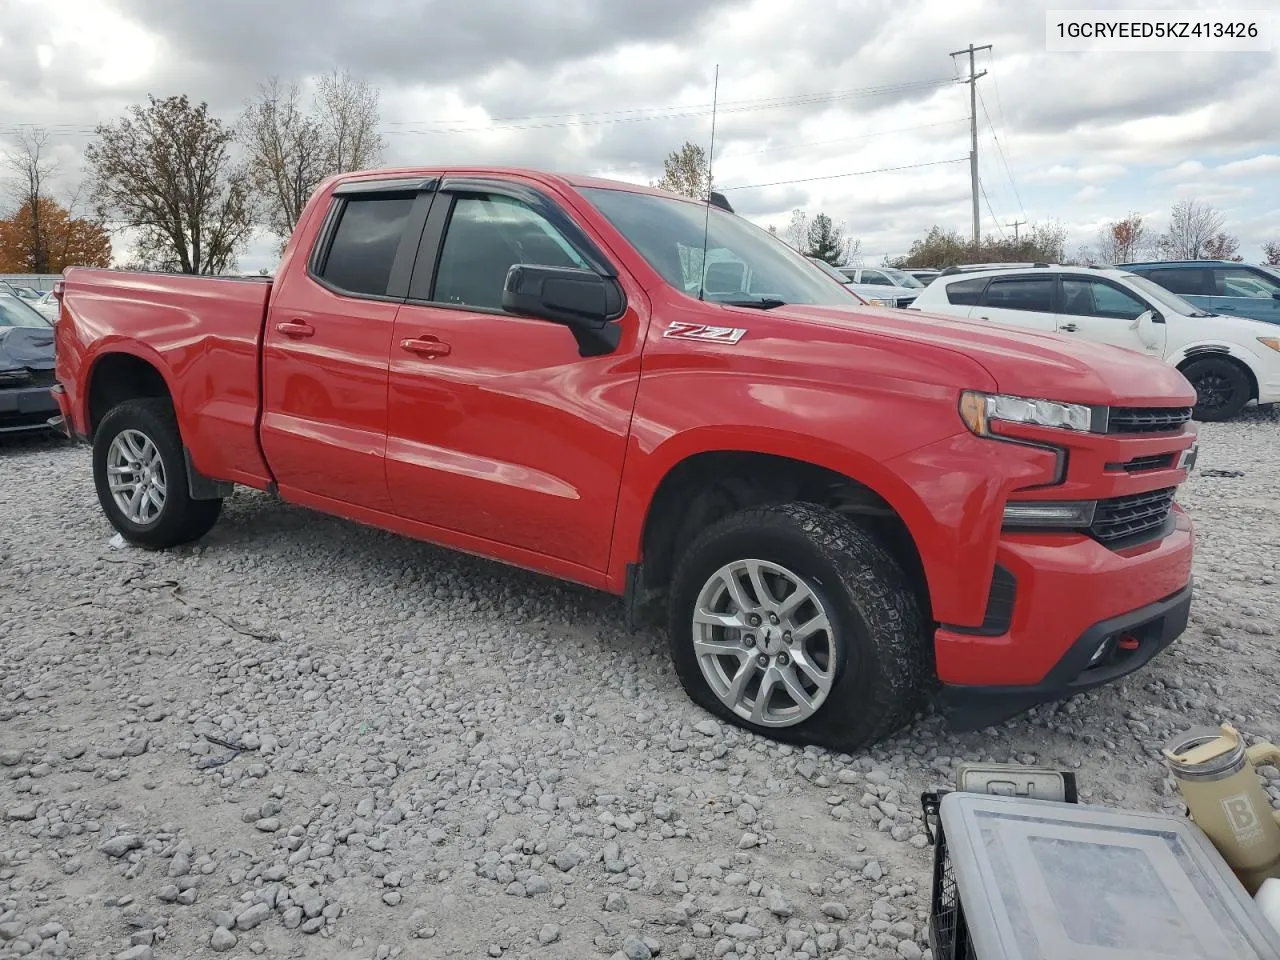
[{"x": 1018, "y": 879}]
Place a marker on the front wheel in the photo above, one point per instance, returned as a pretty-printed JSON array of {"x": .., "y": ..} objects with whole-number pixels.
[
  {"x": 793, "y": 622},
  {"x": 141, "y": 477},
  {"x": 1222, "y": 388}
]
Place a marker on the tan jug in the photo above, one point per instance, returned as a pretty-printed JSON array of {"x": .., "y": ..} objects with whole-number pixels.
[{"x": 1222, "y": 792}]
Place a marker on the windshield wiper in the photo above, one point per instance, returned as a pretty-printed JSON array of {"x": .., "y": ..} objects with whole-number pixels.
[{"x": 762, "y": 303}]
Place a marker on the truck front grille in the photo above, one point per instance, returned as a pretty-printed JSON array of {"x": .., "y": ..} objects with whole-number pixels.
[
  {"x": 1128, "y": 518},
  {"x": 1147, "y": 419}
]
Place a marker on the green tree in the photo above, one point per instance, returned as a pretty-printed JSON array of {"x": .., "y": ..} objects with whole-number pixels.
[
  {"x": 940, "y": 248},
  {"x": 826, "y": 241},
  {"x": 685, "y": 171}
]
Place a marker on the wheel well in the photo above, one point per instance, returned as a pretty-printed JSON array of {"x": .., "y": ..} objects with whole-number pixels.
[
  {"x": 118, "y": 377},
  {"x": 1222, "y": 354},
  {"x": 706, "y": 487}
]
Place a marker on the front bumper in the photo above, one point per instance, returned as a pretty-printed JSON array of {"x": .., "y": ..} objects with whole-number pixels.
[
  {"x": 26, "y": 409},
  {"x": 1146, "y": 632},
  {"x": 1059, "y": 595}
]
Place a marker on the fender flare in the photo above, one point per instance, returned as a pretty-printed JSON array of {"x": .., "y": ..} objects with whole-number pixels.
[{"x": 1219, "y": 348}]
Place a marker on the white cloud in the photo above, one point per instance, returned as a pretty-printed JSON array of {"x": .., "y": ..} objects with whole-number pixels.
[{"x": 1090, "y": 192}]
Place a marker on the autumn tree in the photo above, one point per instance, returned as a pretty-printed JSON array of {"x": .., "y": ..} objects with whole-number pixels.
[
  {"x": 63, "y": 241},
  {"x": 1271, "y": 252},
  {"x": 1222, "y": 246},
  {"x": 31, "y": 167},
  {"x": 1192, "y": 226},
  {"x": 1122, "y": 240},
  {"x": 166, "y": 171},
  {"x": 686, "y": 171},
  {"x": 825, "y": 240}
]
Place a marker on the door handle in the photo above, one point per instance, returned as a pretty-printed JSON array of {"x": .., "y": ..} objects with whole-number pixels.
[
  {"x": 426, "y": 346},
  {"x": 296, "y": 328},
  {"x": 1068, "y": 328},
  {"x": 984, "y": 318}
]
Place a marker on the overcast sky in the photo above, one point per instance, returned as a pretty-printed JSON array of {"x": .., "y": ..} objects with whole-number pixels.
[{"x": 807, "y": 90}]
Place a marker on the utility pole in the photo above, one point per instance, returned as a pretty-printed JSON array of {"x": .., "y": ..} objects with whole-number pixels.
[
  {"x": 1016, "y": 224},
  {"x": 973, "y": 135}
]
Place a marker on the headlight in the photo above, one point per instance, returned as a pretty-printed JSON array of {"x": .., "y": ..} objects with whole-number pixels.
[
  {"x": 978, "y": 409},
  {"x": 1043, "y": 513},
  {"x": 881, "y": 302},
  {"x": 1272, "y": 342}
]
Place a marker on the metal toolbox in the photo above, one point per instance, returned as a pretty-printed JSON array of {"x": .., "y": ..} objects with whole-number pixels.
[{"x": 1019, "y": 879}]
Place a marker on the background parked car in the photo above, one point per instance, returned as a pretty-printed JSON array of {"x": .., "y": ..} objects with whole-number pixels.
[
  {"x": 873, "y": 294},
  {"x": 925, "y": 277},
  {"x": 884, "y": 283},
  {"x": 48, "y": 306},
  {"x": 1219, "y": 286},
  {"x": 26, "y": 366},
  {"x": 1229, "y": 360}
]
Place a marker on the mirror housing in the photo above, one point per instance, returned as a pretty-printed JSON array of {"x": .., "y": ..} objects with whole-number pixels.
[{"x": 585, "y": 302}]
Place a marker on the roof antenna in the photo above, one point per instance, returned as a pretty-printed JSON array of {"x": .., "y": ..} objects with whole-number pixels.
[{"x": 706, "y": 223}]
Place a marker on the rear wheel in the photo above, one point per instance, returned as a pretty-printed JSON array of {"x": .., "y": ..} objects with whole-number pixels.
[
  {"x": 794, "y": 623},
  {"x": 1222, "y": 387},
  {"x": 141, "y": 477}
]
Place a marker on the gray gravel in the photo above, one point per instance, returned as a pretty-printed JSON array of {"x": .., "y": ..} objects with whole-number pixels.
[{"x": 305, "y": 738}]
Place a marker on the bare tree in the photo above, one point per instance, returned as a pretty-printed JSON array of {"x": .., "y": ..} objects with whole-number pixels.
[
  {"x": 852, "y": 253},
  {"x": 287, "y": 153},
  {"x": 1271, "y": 251},
  {"x": 1191, "y": 226},
  {"x": 1222, "y": 246},
  {"x": 348, "y": 112},
  {"x": 32, "y": 168},
  {"x": 796, "y": 233},
  {"x": 1121, "y": 240},
  {"x": 165, "y": 170}
]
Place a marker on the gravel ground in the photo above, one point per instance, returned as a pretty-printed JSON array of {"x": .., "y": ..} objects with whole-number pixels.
[{"x": 305, "y": 738}]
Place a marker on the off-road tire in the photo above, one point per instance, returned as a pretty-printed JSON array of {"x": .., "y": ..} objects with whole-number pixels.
[
  {"x": 181, "y": 519},
  {"x": 1228, "y": 378},
  {"x": 883, "y": 659}
]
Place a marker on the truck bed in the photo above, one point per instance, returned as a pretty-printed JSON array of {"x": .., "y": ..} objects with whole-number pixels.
[{"x": 202, "y": 333}]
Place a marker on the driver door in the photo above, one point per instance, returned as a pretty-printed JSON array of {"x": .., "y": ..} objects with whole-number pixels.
[
  {"x": 1096, "y": 310},
  {"x": 498, "y": 429}
]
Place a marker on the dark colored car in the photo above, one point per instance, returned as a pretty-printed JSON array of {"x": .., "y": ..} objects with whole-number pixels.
[
  {"x": 26, "y": 367},
  {"x": 1219, "y": 286}
]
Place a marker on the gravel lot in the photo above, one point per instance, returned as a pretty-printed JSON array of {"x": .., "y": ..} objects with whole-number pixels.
[{"x": 306, "y": 738}]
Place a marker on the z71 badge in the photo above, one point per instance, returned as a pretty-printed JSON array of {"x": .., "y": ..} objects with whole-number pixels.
[{"x": 700, "y": 331}]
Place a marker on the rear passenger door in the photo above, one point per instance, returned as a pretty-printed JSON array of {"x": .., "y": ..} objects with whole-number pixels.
[
  {"x": 327, "y": 345},
  {"x": 1019, "y": 301},
  {"x": 1095, "y": 309}
]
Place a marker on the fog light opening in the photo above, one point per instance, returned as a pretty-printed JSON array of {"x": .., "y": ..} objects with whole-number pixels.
[{"x": 1103, "y": 648}]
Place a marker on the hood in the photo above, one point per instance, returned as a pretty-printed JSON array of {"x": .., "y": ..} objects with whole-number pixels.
[
  {"x": 26, "y": 347},
  {"x": 1045, "y": 366}
]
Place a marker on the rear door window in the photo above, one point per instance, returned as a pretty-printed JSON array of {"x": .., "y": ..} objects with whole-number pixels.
[
  {"x": 1239, "y": 282},
  {"x": 1083, "y": 297},
  {"x": 1034, "y": 294},
  {"x": 1187, "y": 283},
  {"x": 364, "y": 244}
]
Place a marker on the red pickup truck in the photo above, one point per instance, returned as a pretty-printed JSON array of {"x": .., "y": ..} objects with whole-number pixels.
[{"x": 839, "y": 509}]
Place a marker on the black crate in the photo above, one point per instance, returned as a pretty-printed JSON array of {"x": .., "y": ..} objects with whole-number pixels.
[{"x": 948, "y": 932}]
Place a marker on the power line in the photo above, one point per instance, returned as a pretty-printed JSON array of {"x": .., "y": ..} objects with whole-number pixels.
[
  {"x": 1000, "y": 150},
  {"x": 862, "y": 136},
  {"x": 592, "y": 118},
  {"x": 994, "y": 218},
  {"x": 837, "y": 176}
]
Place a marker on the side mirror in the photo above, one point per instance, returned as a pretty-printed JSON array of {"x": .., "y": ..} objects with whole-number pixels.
[{"x": 581, "y": 300}]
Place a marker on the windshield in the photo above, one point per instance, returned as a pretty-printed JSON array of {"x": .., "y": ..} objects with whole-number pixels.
[
  {"x": 1162, "y": 296},
  {"x": 745, "y": 265},
  {"x": 15, "y": 312},
  {"x": 902, "y": 278}
]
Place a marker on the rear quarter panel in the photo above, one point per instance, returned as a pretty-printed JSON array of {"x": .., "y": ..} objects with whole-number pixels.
[{"x": 200, "y": 333}]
